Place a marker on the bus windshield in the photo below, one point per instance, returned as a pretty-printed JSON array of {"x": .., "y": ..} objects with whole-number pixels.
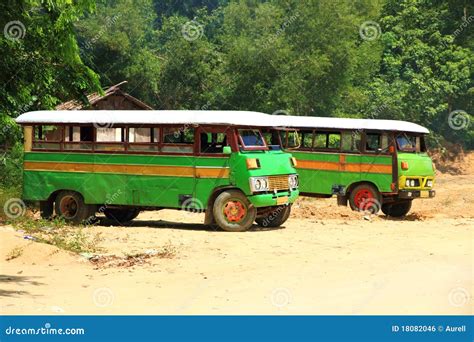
[
  {"x": 409, "y": 143},
  {"x": 252, "y": 139}
]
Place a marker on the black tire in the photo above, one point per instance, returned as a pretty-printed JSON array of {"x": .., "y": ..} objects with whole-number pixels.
[
  {"x": 365, "y": 197},
  {"x": 231, "y": 200},
  {"x": 46, "y": 209},
  {"x": 399, "y": 209},
  {"x": 121, "y": 216},
  {"x": 275, "y": 218},
  {"x": 70, "y": 206}
]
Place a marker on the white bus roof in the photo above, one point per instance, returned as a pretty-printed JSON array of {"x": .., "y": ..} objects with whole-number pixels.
[
  {"x": 348, "y": 123},
  {"x": 148, "y": 117},
  {"x": 211, "y": 117}
]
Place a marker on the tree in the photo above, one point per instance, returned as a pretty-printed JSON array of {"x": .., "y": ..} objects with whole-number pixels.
[{"x": 117, "y": 42}]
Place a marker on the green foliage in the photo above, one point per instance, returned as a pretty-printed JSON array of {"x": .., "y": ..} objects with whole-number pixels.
[
  {"x": 11, "y": 169},
  {"x": 117, "y": 42},
  {"x": 305, "y": 57},
  {"x": 39, "y": 55}
]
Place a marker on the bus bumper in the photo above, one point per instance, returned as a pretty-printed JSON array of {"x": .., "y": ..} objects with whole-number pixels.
[
  {"x": 409, "y": 194},
  {"x": 270, "y": 200}
]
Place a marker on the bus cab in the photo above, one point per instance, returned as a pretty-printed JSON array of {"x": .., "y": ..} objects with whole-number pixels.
[
  {"x": 78, "y": 163},
  {"x": 370, "y": 164}
]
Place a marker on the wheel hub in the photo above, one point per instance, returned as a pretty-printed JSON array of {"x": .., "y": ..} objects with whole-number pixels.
[
  {"x": 363, "y": 199},
  {"x": 68, "y": 207},
  {"x": 234, "y": 211}
]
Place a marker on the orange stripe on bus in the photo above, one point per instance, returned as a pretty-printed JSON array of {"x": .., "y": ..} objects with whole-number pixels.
[
  {"x": 349, "y": 167},
  {"x": 154, "y": 170}
]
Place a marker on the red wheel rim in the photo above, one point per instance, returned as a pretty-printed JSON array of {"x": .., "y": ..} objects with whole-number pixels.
[
  {"x": 68, "y": 207},
  {"x": 234, "y": 211},
  {"x": 363, "y": 199}
]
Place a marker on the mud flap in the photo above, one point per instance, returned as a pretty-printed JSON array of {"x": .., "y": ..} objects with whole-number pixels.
[{"x": 342, "y": 200}]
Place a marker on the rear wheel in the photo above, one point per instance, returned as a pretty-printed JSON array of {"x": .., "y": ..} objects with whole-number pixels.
[
  {"x": 70, "y": 206},
  {"x": 399, "y": 209},
  {"x": 274, "y": 218},
  {"x": 233, "y": 212},
  {"x": 365, "y": 197},
  {"x": 121, "y": 216}
]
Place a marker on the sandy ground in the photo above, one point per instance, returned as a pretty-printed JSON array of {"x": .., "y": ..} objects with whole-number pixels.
[{"x": 325, "y": 260}]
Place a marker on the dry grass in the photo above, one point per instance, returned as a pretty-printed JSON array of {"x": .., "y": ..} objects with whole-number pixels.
[
  {"x": 168, "y": 251},
  {"x": 57, "y": 233}
]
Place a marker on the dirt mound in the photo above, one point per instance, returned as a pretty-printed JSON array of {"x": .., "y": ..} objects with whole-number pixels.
[
  {"x": 453, "y": 160},
  {"x": 20, "y": 248},
  {"x": 322, "y": 209}
]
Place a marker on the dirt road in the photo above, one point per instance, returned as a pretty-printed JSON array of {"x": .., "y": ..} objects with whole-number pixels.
[{"x": 326, "y": 260}]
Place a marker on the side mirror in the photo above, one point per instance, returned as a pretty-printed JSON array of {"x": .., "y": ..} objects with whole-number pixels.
[{"x": 227, "y": 150}]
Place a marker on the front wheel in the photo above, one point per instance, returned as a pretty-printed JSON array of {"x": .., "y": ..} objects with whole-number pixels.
[
  {"x": 399, "y": 209},
  {"x": 365, "y": 197},
  {"x": 275, "y": 218},
  {"x": 70, "y": 206},
  {"x": 233, "y": 212}
]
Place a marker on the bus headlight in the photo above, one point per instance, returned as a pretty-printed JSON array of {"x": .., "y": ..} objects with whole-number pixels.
[
  {"x": 429, "y": 183},
  {"x": 293, "y": 181},
  {"x": 258, "y": 184}
]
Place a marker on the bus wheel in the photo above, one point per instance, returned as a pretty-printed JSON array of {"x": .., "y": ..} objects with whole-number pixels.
[
  {"x": 275, "y": 218},
  {"x": 233, "y": 212},
  {"x": 365, "y": 197},
  {"x": 399, "y": 209},
  {"x": 121, "y": 216},
  {"x": 70, "y": 206}
]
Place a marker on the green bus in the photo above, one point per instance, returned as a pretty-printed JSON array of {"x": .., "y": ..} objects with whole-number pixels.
[
  {"x": 118, "y": 163},
  {"x": 372, "y": 164}
]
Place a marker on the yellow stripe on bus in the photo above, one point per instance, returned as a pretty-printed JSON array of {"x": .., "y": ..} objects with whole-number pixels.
[{"x": 152, "y": 170}]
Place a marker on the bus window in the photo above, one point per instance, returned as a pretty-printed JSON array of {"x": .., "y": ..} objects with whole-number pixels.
[
  {"x": 213, "y": 142},
  {"x": 143, "y": 139},
  {"x": 47, "y": 137},
  {"x": 78, "y": 137},
  {"x": 410, "y": 143},
  {"x": 251, "y": 138},
  {"x": 306, "y": 138},
  {"x": 178, "y": 139},
  {"x": 350, "y": 141},
  {"x": 110, "y": 139},
  {"x": 293, "y": 139},
  {"x": 334, "y": 140},
  {"x": 272, "y": 138},
  {"x": 372, "y": 142},
  {"x": 319, "y": 140},
  {"x": 324, "y": 140}
]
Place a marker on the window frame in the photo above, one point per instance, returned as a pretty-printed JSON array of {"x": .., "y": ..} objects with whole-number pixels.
[
  {"x": 229, "y": 131},
  {"x": 34, "y": 140},
  {"x": 157, "y": 143},
  {"x": 380, "y": 133},
  {"x": 253, "y": 147}
]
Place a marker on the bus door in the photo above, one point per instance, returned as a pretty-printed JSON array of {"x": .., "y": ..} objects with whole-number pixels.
[
  {"x": 212, "y": 167},
  {"x": 377, "y": 161},
  {"x": 349, "y": 158}
]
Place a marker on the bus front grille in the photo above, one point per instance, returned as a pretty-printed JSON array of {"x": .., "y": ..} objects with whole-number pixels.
[{"x": 278, "y": 183}]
